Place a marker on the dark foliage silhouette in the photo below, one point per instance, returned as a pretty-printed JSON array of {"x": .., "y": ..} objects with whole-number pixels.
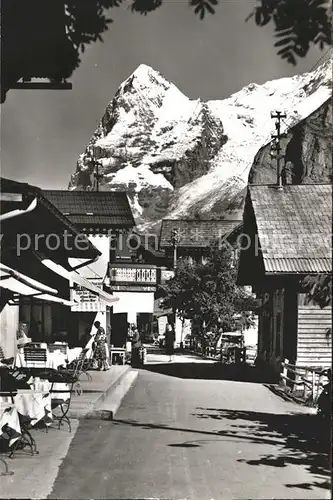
[
  {"x": 319, "y": 289},
  {"x": 298, "y": 24},
  {"x": 45, "y": 38}
]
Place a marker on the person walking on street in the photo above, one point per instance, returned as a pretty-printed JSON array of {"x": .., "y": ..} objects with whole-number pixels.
[
  {"x": 136, "y": 345},
  {"x": 169, "y": 341},
  {"x": 100, "y": 352}
]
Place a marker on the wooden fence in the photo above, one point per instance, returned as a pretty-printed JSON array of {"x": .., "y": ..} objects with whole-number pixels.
[{"x": 306, "y": 380}]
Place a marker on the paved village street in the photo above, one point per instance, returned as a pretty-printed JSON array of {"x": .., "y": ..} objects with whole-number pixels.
[{"x": 182, "y": 434}]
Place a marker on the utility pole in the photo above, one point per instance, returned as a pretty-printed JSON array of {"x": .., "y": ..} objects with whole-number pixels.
[
  {"x": 97, "y": 175},
  {"x": 278, "y": 115},
  {"x": 175, "y": 241}
]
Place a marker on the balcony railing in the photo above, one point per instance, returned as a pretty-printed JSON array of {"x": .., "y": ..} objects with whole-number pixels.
[
  {"x": 136, "y": 274},
  {"x": 132, "y": 275}
]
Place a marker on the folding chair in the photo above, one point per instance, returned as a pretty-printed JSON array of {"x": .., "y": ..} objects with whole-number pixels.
[
  {"x": 35, "y": 357},
  {"x": 4, "y": 360},
  {"x": 63, "y": 404},
  {"x": 70, "y": 376},
  {"x": 79, "y": 366}
]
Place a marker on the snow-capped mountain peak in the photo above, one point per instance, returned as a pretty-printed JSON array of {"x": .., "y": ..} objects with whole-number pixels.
[{"x": 179, "y": 157}]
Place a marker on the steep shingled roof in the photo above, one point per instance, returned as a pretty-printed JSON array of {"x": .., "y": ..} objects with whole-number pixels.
[
  {"x": 294, "y": 227},
  {"x": 195, "y": 233},
  {"x": 92, "y": 208}
]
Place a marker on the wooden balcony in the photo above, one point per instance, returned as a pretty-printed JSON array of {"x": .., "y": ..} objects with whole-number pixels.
[{"x": 133, "y": 277}]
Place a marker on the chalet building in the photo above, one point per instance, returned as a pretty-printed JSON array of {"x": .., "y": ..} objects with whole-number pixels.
[
  {"x": 37, "y": 244},
  {"x": 288, "y": 237},
  {"x": 193, "y": 238},
  {"x": 106, "y": 218}
]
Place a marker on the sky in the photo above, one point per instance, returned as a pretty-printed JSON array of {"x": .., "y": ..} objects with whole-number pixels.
[{"x": 43, "y": 131}]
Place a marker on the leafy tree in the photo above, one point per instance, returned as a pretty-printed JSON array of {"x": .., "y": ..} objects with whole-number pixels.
[
  {"x": 319, "y": 289},
  {"x": 45, "y": 38},
  {"x": 207, "y": 292}
]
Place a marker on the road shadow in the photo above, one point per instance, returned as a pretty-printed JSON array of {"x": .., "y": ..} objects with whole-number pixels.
[
  {"x": 304, "y": 439},
  {"x": 211, "y": 371},
  {"x": 300, "y": 440}
]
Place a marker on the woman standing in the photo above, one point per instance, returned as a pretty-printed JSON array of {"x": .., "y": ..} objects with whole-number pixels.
[
  {"x": 169, "y": 341},
  {"x": 100, "y": 352}
]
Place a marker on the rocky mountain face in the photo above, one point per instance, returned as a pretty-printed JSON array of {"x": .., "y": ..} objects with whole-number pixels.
[
  {"x": 306, "y": 149},
  {"x": 182, "y": 158}
]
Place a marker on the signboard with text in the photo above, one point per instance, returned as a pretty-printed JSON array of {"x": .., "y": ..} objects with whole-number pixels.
[{"x": 87, "y": 301}]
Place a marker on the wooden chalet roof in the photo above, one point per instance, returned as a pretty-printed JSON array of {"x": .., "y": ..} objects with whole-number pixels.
[
  {"x": 195, "y": 233},
  {"x": 91, "y": 209},
  {"x": 45, "y": 219},
  {"x": 294, "y": 226},
  {"x": 149, "y": 243}
]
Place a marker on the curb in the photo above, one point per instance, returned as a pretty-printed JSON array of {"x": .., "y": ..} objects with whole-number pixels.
[
  {"x": 88, "y": 407},
  {"x": 111, "y": 404}
]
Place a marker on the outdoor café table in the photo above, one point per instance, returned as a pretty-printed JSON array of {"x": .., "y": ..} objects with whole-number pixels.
[
  {"x": 73, "y": 353},
  {"x": 31, "y": 408},
  {"x": 57, "y": 390},
  {"x": 10, "y": 428},
  {"x": 56, "y": 359},
  {"x": 36, "y": 405}
]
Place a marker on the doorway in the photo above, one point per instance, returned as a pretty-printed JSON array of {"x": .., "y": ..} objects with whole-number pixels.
[{"x": 119, "y": 329}]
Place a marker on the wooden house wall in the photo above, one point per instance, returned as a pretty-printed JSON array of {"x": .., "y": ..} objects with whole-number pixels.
[{"x": 314, "y": 341}]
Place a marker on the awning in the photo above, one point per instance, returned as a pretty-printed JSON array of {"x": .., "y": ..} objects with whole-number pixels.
[
  {"x": 51, "y": 298},
  {"x": 75, "y": 277},
  {"x": 19, "y": 283}
]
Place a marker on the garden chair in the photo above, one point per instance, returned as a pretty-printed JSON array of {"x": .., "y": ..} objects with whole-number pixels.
[
  {"x": 79, "y": 366},
  {"x": 4, "y": 360},
  {"x": 62, "y": 399},
  {"x": 70, "y": 376},
  {"x": 35, "y": 357}
]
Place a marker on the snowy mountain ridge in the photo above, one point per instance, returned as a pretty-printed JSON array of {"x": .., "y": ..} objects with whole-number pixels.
[{"x": 178, "y": 157}]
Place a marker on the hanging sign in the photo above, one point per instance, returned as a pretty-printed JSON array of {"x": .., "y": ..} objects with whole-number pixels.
[{"x": 87, "y": 301}]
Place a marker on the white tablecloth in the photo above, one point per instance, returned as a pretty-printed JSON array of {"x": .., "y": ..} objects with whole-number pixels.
[
  {"x": 56, "y": 359},
  {"x": 47, "y": 386},
  {"x": 9, "y": 416},
  {"x": 35, "y": 405},
  {"x": 73, "y": 353}
]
